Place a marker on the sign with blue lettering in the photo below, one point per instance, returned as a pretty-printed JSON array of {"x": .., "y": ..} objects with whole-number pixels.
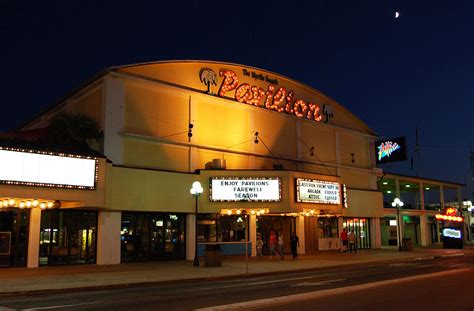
[{"x": 390, "y": 150}]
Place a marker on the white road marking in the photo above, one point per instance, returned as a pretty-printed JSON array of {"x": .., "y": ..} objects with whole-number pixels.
[
  {"x": 268, "y": 302},
  {"x": 3, "y": 308},
  {"x": 317, "y": 283},
  {"x": 62, "y": 306},
  {"x": 457, "y": 265},
  {"x": 247, "y": 284}
]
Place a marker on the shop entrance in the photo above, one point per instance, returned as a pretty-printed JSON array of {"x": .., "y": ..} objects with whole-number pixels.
[
  {"x": 152, "y": 236},
  {"x": 13, "y": 237},
  {"x": 68, "y": 237},
  {"x": 361, "y": 227},
  {"x": 284, "y": 224}
]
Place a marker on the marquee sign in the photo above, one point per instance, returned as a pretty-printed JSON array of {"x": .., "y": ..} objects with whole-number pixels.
[
  {"x": 47, "y": 169},
  {"x": 276, "y": 98},
  {"x": 390, "y": 150},
  {"x": 245, "y": 189},
  {"x": 318, "y": 191}
]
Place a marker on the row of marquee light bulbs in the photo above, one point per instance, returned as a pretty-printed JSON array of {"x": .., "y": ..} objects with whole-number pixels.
[
  {"x": 5, "y": 203},
  {"x": 263, "y": 211}
]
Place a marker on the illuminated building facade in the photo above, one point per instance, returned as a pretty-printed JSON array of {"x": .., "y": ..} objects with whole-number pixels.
[{"x": 295, "y": 160}]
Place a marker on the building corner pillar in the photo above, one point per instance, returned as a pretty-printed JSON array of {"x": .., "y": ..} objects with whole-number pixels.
[
  {"x": 108, "y": 238},
  {"x": 34, "y": 238}
]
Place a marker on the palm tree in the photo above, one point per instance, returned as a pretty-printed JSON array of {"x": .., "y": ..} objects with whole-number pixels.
[{"x": 74, "y": 131}]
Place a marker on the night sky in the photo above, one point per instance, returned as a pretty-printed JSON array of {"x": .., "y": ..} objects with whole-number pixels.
[{"x": 397, "y": 75}]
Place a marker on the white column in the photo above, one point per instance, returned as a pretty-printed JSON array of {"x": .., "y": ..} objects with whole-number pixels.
[
  {"x": 422, "y": 196},
  {"x": 397, "y": 188},
  {"x": 441, "y": 196},
  {"x": 424, "y": 231},
  {"x": 437, "y": 232},
  {"x": 113, "y": 118},
  {"x": 190, "y": 236},
  {"x": 253, "y": 234},
  {"x": 108, "y": 238},
  {"x": 300, "y": 234},
  {"x": 34, "y": 238},
  {"x": 375, "y": 236}
]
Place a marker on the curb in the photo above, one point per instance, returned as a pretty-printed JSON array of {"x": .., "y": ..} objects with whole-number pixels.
[{"x": 205, "y": 279}]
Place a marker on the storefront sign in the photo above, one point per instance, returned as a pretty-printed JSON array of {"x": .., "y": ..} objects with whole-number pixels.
[
  {"x": 47, "y": 169},
  {"x": 390, "y": 150},
  {"x": 245, "y": 189},
  {"x": 452, "y": 233},
  {"x": 274, "y": 97},
  {"x": 317, "y": 191}
]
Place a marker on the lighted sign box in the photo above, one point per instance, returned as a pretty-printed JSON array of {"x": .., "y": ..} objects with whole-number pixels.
[
  {"x": 318, "y": 191},
  {"x": 245, "y": 189},
  {"x": 390, "y": 150},
  {"x": 47, "y": 169}
]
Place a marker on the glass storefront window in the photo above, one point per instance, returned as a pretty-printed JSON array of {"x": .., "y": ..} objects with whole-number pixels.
[
  {"x": 152, "y": 236},
  {"x": 221, "y": 228},
  {"x": 328, "y": 227},
  {"x": 207, "y": 228},
  {"x": 361, "y": 227},
  {"x": 68, "y": 237},
  {"x": 13, "y": 237}
]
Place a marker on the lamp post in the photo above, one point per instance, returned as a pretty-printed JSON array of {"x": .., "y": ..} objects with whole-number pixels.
[
  {"x": 244, "y": 213},
  {"x": 468, "y": 205},
  {"x": 398, "y": 203},
  {"x": 196, "y": 191}
]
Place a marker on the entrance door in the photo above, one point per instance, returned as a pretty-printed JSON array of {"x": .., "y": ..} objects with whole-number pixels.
[
  {"x": 361, "y": 227},
  {"x": 13, "y": 237}
]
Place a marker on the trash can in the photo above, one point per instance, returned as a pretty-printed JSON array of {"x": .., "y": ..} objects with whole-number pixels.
[
  {"x": 407, "y": 245},
  {"x": 212, "y": 255}
]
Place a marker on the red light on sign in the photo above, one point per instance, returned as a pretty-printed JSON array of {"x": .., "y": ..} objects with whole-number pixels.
[
  {"x": 449, "y": 218},
  {"x": 451, "y": 211}
]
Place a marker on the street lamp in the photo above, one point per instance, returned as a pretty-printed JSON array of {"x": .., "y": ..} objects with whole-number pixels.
[
  {"x": 398, "y": 203},
  {"x": 244, "y": 213},
  {"x": 196, "y": 191}
]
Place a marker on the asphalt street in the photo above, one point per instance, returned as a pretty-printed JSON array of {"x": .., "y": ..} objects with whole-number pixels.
[{"x": 429, "y": 280}]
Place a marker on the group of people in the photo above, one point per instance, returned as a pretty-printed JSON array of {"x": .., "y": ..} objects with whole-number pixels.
[
  {"x": 349, "y": 240},
  {"x": 277, "y": 242}
]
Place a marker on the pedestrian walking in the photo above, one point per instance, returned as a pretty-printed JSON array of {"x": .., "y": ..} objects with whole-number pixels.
[
  {"x": 259, "y": 245},
  {"x": 344, "y": 240},
  {"x": 281, "y": 243},
  {"x": 295, "y": 243},
  {"x": 273, "y": 243},
  {"x": 352, "y": 241}
]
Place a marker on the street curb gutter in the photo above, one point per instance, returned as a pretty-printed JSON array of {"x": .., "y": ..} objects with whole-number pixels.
[{"x": 204, "y": 279}]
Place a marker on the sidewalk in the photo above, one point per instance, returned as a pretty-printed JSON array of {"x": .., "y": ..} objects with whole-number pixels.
[{"x": 67, "y": 278}]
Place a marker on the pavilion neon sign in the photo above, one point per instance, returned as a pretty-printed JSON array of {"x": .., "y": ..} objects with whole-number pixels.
[
  {"x": 278, "y": 99},
  {"x": 386, "y": 149},
  {"x": 449, "y": 215}
]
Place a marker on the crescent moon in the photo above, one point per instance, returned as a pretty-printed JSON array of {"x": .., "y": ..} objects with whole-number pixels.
[{"x": 397, "y": 15}]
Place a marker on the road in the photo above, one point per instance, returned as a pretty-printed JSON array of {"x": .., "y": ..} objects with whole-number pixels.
[{"x": 434, "y": 284}]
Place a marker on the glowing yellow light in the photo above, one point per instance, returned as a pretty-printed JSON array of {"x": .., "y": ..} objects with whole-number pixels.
[
  {"x": 35, "y": 203},
  {"x": 50, "y": 204},
  {"x": 28, "y": 203},
  {"x": 22, "y": 204},
  {"x": 229, "y": 212},
  {"x": 11, "y": 202},
  {"x": 42, "y": 205}
]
